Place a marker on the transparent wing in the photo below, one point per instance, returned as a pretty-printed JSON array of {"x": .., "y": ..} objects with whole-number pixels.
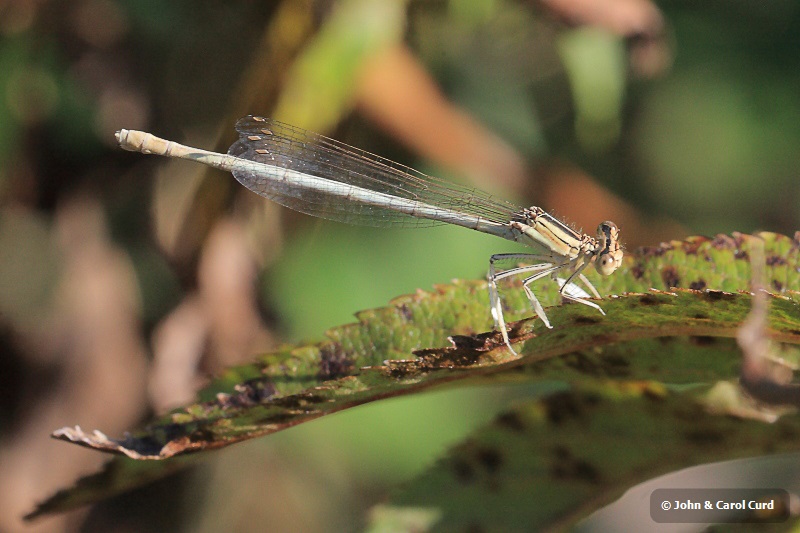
[{"x": 281, "y": 145}]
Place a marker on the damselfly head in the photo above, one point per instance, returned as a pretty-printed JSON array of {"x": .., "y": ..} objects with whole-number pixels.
[{"x": 609, "y": 256}]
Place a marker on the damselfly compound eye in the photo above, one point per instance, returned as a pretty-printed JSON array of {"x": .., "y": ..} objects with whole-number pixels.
[{"x": 610, "y": 254}]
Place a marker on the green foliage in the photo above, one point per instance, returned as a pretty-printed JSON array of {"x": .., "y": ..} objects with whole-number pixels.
[
  {"x": 623, "y": 374},
  {"x": 542, "y": 464}
]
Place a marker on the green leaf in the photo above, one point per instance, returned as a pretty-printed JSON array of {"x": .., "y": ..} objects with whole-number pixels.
[
  {"x": 254, "y": 407},
  {"x": 386, "y": 353},
  {"x": 546, "y": 464}
]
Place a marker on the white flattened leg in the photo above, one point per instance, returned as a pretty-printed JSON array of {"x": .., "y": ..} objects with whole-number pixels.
[
  {"x": 496, "y": 306},
  {"x": 588, "y": 283},
  {"x": 579, "y": 272},
  {"x": 537, "y": 306},
  {"x": 494, "y": 298}
]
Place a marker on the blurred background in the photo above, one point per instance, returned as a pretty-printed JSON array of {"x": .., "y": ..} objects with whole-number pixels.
[{"x": 126, "y": 281}]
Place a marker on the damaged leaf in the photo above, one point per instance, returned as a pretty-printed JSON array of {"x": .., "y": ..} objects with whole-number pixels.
[
  {"x": 546, "y": 464},
  {"x": 400, "y": 349}
]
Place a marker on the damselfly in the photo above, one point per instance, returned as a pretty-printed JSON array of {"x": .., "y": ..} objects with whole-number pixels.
[{"x": 326, "y": 178}]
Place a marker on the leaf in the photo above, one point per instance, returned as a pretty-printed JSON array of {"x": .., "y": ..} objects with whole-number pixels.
[
  {"x": 255, "y": 408},
  {"x": 372, "y": 359},
  {"x": 548, "y": 463}
]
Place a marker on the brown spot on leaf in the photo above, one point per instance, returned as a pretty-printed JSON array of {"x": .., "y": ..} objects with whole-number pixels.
[
  {"x": 715, "y": 296},
  {"x": 201, "y": 434},
  {"x": 670, "y": 277},
  {"x": 298, "y": 402},
  {"x": 490, "y": 458},
  {"x": 606, "y": 365},
  {"x": 153, "y": 444},
  {"x": 334, "y": 362},
  {"x": 741, "y": 254},
  {"x": 777, "y": 285},
  {"x": 463, "y": 470},
  {"x": 582, "y": 363},
  {"x": 654, "y": 251},
  {"x": 561, "y": 407},
  {"x": 251, "y": 392},
  {"x": 466, "y": 351},
  {"x": 702, "y": 340},
  {"x": 691, "y": 245},
  {"x": 615, "y": 365},
  {"x": 401, "y": 369},
  {"x": 637, "y": 271},
  {"x": 775, "y": 260},
  {"x": 511, "y": 421},
  {"x": 698, "y": 285},
  {"x": 649, "y": 299},
  {"x": 481, "y": 342},
  {"x": 566, "y": 466},
  {"x": 405, "y": 312},
  {"x": 275, "y": 418},
  {"x": 723, "y": 242}
]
